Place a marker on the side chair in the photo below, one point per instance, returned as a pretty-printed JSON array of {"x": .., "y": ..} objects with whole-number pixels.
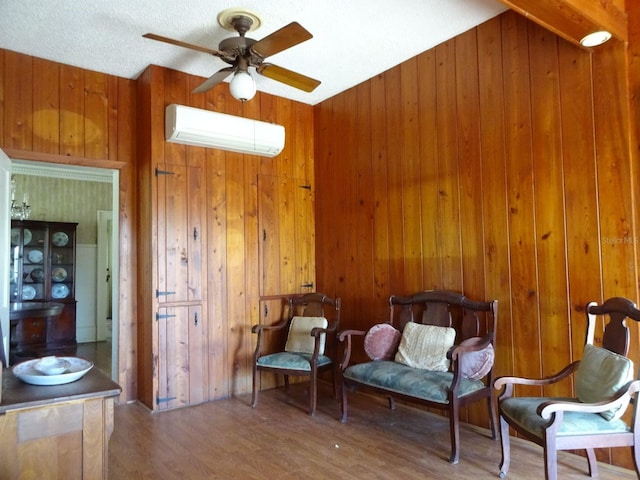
[
  {"x": 605, "y": 387},
  {"x": 311, "y": 323}
]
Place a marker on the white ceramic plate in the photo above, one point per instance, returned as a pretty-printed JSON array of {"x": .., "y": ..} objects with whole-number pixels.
[
  {"x": 59, "y": 239},
  {"x": 58, "y": 274},
  {"x": 59, "y": 290},
  {"x": 28, "y": 292},
  {"x": 26, "y": 372},
  {"x": 35, "y": 256}
]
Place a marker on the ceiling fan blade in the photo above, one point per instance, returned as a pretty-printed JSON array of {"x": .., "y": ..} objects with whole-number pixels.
[
  {"x": 179, "y": 43},
  {"x": 213, "y": 80},
  {"x": 280, "y": 40},
  {"x": 289, "y": 77}
]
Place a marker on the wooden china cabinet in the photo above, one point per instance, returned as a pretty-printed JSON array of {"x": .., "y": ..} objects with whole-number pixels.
[{"x": 42, "y": 270}]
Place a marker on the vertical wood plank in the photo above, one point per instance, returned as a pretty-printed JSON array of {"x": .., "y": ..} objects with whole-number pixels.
[
  {"x": 72, "y": 127},
  {"x": 18, "y": 106},
  {"x": 46, "y": 106},
  {"x": 549, "y": 205}
]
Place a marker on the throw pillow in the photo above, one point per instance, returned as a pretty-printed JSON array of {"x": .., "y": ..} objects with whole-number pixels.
[
  {"x": 381, "y": 341},
  {"x": 300, "y": 339},
  {"x": 475, "y": 365},
  {"x": 600, "y": 375},
  {"x": 425, "y": 346}
]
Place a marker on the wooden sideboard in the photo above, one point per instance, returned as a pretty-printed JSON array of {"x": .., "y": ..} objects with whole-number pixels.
[{"x": 58, "y": 431}]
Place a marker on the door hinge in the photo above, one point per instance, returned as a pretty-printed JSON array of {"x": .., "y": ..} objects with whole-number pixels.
[
  {"x": 158, "y": 293},
  {"x": 163, "y": 172},
  {"x": 163, "y": 315},
  {"x": 160, "y": 400}
]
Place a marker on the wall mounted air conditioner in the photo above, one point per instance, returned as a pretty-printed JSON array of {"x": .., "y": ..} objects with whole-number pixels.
[{"x": 204, "y": 128}]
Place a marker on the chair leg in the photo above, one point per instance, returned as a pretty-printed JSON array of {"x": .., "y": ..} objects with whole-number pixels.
[
  {"x": 551, "y": 462},
  {"x": 343, "y": 403},
  {"x": 313, "y": 391},
  {"x": 593, "y": 462},
  {"x": 454, "y": 431},
  {"x": 506, "y": 447},
  {"x": 636, "y": 458},
  {"x": 334, "y": 372},
  {"x": 286, "y": 383},
  {"x": 392, "y": 402},
  {"x": 493, "y": 415},
  {"x": 254, "y": 393}
]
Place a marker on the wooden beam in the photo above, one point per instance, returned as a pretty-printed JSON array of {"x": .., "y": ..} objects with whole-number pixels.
[{"x": 573, "y": 19}]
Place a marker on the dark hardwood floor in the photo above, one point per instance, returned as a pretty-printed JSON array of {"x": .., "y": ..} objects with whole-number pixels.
[
  {"x": 97, "y": 352},
  {"x": 227, "y": 439}
]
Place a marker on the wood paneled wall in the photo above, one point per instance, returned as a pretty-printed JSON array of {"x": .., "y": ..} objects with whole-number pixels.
[
  {"x": 496, "y": 164},
  {"x": 231, "y": 186},
  {"x": 50, "y": 112}
]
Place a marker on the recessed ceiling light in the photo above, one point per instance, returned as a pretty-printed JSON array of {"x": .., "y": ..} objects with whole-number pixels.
[{"x": 594, "y": 39}]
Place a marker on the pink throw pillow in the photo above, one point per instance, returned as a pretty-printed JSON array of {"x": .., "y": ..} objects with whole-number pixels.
[
  {"x": 381, "y": 341},
  {"x": 475, "y": 365}
]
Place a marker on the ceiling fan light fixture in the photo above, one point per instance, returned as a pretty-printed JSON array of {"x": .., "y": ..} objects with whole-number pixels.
[
  {"x": 242, "y": 86},
  {"x": 595, "y": 38}
]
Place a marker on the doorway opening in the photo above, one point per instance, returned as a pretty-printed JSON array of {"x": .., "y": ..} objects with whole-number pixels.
[{"x": 56, "y": 192}]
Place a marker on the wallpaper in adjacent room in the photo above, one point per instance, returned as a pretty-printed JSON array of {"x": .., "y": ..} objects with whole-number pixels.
[{"x": 65, "y": 200}]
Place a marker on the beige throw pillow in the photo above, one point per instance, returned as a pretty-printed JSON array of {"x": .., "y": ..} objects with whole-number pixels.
[
  {"x": 425, "y": 346},
  {"x": 300, "y": 339}
]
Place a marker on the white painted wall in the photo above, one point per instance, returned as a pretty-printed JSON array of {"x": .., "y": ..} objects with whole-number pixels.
[{"x": 86, "y": 268}]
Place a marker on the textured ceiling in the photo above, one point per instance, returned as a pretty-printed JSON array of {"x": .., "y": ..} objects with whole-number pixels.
[{"x": 353, "y": 40}]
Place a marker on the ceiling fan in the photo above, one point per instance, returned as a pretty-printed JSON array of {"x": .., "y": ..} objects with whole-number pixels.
[{"x": 243, "y": 52}]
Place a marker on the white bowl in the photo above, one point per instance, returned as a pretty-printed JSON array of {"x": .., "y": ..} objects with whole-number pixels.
[{"x": 51, "y": 365}]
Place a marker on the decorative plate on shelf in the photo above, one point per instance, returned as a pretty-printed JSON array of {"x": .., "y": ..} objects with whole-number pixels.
[
  {"x": 15, "y": 236},
  {"x": 59, "y": 239},
  {"x": 35, "y": 256},
  {"x": 37, "y": 275},
  {"x": 59, "y": 290},
  {"x": 58, "y": 274},
  {"x": 27, "y": 372},
  {"x": 28, "y": 292}
]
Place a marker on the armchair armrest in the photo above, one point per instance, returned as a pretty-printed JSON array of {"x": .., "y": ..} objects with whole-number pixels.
[
  {"x": 260, "y": 330},
  {"x": 347, "y": 335},
  {"x": 620, "y": 400},
  {"x": 509, "y": 382}
]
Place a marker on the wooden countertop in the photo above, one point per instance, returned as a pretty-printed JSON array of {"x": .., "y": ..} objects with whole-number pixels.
[{"x": 17, "y": 395}]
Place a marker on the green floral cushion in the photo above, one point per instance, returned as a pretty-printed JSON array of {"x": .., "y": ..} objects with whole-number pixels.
[
  {"x": 522, "y": 411},
  {"x": 600, "y": 375},
  {"x": 396, "y": 377},
  {"x": 292, "y": 360}
]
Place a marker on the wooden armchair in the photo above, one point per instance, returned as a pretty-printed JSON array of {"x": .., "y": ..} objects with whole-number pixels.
[
  {"x": 605, "y": 386},
  {"x": 312, "y": 322}
]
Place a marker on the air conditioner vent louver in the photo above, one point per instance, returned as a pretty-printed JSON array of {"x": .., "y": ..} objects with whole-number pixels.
[{"x": 204, "y": 128}]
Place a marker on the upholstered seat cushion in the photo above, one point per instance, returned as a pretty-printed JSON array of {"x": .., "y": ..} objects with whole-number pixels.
[
  {"x": 522, "y": 411},
  {"x": 396, "y": 377},
  {"x": 291, "y": 360},
  {"x": 300, "y": 339}
]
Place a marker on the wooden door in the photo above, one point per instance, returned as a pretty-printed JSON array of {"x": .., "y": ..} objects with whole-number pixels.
[
  {"x": 180, "y": 197},
  {"x": 181, "y": 357},
  {"x": 286, "y": 236}
]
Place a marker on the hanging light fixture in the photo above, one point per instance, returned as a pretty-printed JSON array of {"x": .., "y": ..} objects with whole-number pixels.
[
  {"x": 242, "y": 86},
  {"x": 19, "y": 211},
  {"x": 595, "y": 38}
]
